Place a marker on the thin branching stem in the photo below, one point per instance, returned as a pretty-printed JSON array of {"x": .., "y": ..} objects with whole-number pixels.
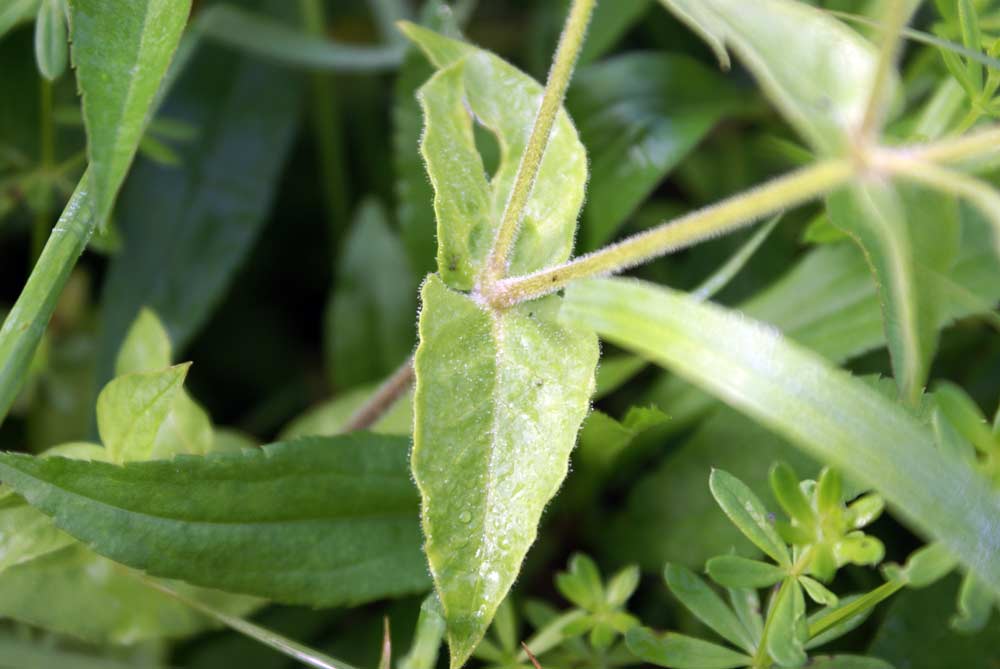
[
  {"x": 555, "y": 90},
  {"x": 740, "y": 210},
  {"x": 974, "y": 145},
  {"x": 896, "y": 18},
  {"x": 383, "y": 399}
]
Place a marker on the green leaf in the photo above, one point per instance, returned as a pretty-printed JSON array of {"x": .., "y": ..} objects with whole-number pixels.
[
  {"x": 427, "y": 638},
  {"x": 120, "y": 54},
  {"x": 582, "y": 583},
  {"x": 476, "y": 86},
  {"x": 794, "y": 392},
  {"x": 975, "y": 604},
  {"x": 965, "y": 416},
  {"x": 747, "y": 512},
  {"x": 51, "y": 49},
  {"x": 603, "y": 439},
  {"x": 817, "y": 591},
  {"x": 707, "y": 606},
  {"x": 146, "y": 347},
  {"x": 75, "y": 592},
  {"x": 321, "y": 522},
  {"x": 132, "y": 408},
  {"x": 817, "y": 71},
  {"x": 615, "y": 371},
  {"x": 848, "y": 662},
  {"x": 925, "y": 566},
  {"x": 746, "y": 605},
  {"x": 609, "y": 23},
  {"x": 785, "y": 485},
  {"x": 414, "y": 193},
  {"x": 26, "y": 533},
  {"x": 903, "y": 231},
  {"x": 733, "y": 571},
  {"x": 370, "y": 316},
  {"x": 16, "y": 12},
  {"x": 188, "y": 230},
  {"x": 682, "y": 652},
  {"x": 499, "y": 399},
  {"x": 622, "y": 585},
  {"x": 661, "y": 106},
  {"x": 840, "y": 628},
  {"x": 784, "y": 643},
  {"x": 264, "y": 36}
]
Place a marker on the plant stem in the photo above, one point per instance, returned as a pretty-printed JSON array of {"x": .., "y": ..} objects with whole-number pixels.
[
  {"x": 383, "y": 399},
  {"x": 47, "y": 150},
  {"x": 730, "y": 214},
  {"x": 897, "y": 16},
  {"x": 26, "y": 322},
  {"x": 569, "y": 47},
  {"x": 979, "y": 193},
  {"x": 761, "y": 658},
  {"x": 862, "y": 603},
  {"x": 325, "y": 122},
  {"x": 278, "y": 642},
  {"x": 973, "y": 145}
]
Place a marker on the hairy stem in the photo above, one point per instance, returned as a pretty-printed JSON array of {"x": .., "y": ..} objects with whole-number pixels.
[
  {"x": 383, "y": 399},
  {"x": 974, "y": 145},
  {"x": 726, "y": 216},
  {"x": 896, "y": 17},
  {"x": 569, "y": 47}
]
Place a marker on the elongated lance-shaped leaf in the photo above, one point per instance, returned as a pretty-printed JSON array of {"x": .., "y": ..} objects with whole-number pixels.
[
  {"x": 707, "y": 606},
  {"x": 682, "y": 652},
  {"x": 51, "y": 50},
  {"x": 796, "y": 393},
  {"x": 121, "y": 52},
  {"x": 468, "y": 203},
  {"x": 499, "y": 398},
  {"x": 817, "y": 71},
  {"x": 904, "y": 232},
  {"x": 15, "y": 12},
  {"x": 320, "y": 522}
]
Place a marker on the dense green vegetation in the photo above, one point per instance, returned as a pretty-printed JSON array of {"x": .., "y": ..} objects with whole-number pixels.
[{"x": 322, "y": 362}]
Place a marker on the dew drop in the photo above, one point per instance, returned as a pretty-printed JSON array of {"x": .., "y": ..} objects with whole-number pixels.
[{"x": 465, "y": 517}]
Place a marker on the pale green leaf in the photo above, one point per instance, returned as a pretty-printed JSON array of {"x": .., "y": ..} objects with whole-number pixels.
[
  {"x": 370, "y": 315},
  {"x": 132, "y": 408},
  {"x": 321, "y": 522},
  {"x": 682, "y": 652},
  {"x": 784, "y": 642},
  {"x": 975, "y": 605},
  {"x": 622, "y": 585},
  {"x": 817, "y": 71},
  {"x": 26, "y": 533},
  {"x": 75, "y": 592},
  {"x": 904, "y": 232},
  {"x": 733, "y": 571},
  {"x": 16, "y": 12},
  {"x": 746, "y": 604},
  {"x": 146, "y": 347},
  {"x": 707, "y": 606},
  {"x": 475, "y": 86},
  {"x": 603, "y": 439},
  {"x": 818, "y": 592},
  {"x": 965, "y": 416},
  {"x": 747, "y": 512},
  {"x": 51, "y": 49},
  {"x": 499, "y": 398},
  {"x": 925, "y": 566},
  {"x": 794, "y": 392},
  {"x": 427, "y": 638},
  {"x": 120, "y": 53}
]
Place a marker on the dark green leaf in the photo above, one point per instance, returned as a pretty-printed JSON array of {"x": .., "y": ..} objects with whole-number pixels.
[
  {"x": 317, "y": 521},
  {"x": 682, "y": 652},
  {"x": 639, "y": 115},
  {"x": 707, "y": 606},
  {"x": 747, "y": 512},
  {"x": 733, "y": 571},
  {"x": 188, "y": 230}
]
